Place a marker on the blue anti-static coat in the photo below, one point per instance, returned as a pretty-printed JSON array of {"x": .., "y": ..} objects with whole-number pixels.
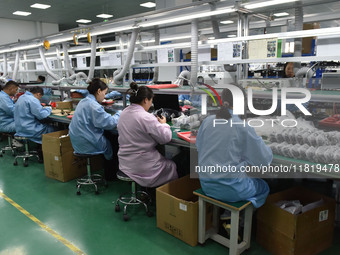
[
  {"x": 27, "y": 115},
  {"x": 87, "y": 128},
  {"x": 226, "y": 145},
  {"x": 113, "y": 95},
  {"x": 195, "y": 99},
  {"x": 6, "y": 113}
]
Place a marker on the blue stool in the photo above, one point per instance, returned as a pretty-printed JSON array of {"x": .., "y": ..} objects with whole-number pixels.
[
  {"x": 132, "y": 198},
  {"x": 9, "y": 146},
  {"x": 89, "y": 179},
  {"x": 26, "y": 154},
  {"x": 235, "y": 248}
]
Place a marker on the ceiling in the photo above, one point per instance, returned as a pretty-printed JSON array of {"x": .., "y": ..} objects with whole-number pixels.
[{"x": 66, "y": 12}]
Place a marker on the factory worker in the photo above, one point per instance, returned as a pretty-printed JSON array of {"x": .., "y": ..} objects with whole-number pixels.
[
  {"x": 46, "y": 98},
  {"x": 227, "y": 145},
  {"x": 139, "y": 133},
  {"x": 7, "y": 107},
  {"x": 28, "y": 114},
  {"x": 288, "y": 70},
  {"x": 28, "y": 117},
  {"x": 194, "y": 100},
  {"x": 88, "y": 125}
]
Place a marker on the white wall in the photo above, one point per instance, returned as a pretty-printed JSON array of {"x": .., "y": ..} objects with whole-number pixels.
[{"x": 12, "y": 30}]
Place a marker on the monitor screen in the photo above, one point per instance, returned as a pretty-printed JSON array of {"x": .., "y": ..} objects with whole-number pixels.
[{"x": 166, "y": 101}]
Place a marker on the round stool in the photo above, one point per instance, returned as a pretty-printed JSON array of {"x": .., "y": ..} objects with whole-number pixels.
[
  {"x": 89, "y": 179},
  {"x": 26, "y": 154},
  {"x": 132, "y": 198},
  {"x": 9, "y": 146}
]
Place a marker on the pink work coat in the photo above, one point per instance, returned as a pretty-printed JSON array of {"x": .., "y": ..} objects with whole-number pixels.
[{"x": 139, "y": 133}]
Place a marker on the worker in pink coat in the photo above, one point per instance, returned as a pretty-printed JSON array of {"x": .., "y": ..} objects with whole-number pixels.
[{"x": 139, "y": 133}]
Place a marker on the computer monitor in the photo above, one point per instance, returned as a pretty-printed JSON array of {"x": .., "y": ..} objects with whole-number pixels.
[{"x": 166, "y": 101}]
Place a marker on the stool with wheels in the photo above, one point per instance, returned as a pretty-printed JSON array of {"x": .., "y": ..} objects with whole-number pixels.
[
  {"x": 27, "y": 153},
  {"x": 235, "y": 248},
  {"x": 89, "y": 179},
  {"x": 9, "y": 146},
  {"x": 132, "y": 198}
]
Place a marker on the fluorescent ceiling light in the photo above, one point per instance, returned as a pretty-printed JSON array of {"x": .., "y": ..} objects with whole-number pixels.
[
  {"x": 281, "y": 14},
  {"x": 148, "y": 4},
  {"x": 20, "y": 13},
  {"x": 187, "y": 17},
  {"x": 226, "y": 22},
  {"x": 40, "y": 6},
  {"x": 104, "y": 16},
  {"x": 267, "y": 3},
  {"x": 231, "y": 36},
  {"x": 175, "y": 38},
  {"x": 211, "y": 38},
  {"x": 83, "y": 21}
]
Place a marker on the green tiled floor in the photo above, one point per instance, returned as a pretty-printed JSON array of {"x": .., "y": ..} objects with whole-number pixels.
[{"x": 87, "y": 221}]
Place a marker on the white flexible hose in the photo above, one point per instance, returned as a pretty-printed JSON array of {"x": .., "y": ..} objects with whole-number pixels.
[
  {"x": 194, "y": 52},
  {"x": 5, "y": 65},
  {"x": 16, "y": 66},
  {"x": 93, "y": 58},
  {"x": 156, "y": 69},
  {"x": 118, "y": 79},
  {"x": 48, "y": 70},
  {"x": 184, "y": 75},
  {"x": 67, "y": 60}
]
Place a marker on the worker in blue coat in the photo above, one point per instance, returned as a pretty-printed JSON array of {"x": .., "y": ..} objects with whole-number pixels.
[
  {"x": 7, "y": 107},
  {"x": 29, "y": 115},
  {"x": 88, "y": 125},
  {"x": 231, "y": 146},
  {"x": 194, "y": 100}
]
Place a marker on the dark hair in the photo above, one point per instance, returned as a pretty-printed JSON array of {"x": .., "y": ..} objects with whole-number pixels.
[
  {"x": 138, "y": 94},
  {"x": 42, "y": 78},
  {"x": 284, "y": 69},
  {"x": 96, "y": 84},
  {"x": 36, "y": 90},
  {"x": 228, "y": 102},
  {"x": 10, "y": 84}
]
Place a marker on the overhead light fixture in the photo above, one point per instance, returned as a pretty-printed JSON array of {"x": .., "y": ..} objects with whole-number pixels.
[
  {"x": 267, "y": 3},
  {"x": 230, "y": 36},
  {"x": 211, "y": 38},
  {"x": 187, "y": 17},
  {"x": 226, "y": 22},
  {"x": 281, "y": 14},
  {"x": 40, "y": 6},
  {"x": 83, "y": 21},
  {"x": 104, "y": 16},
  {"x": 20, "y": 13},
  {"x": 148, "y": 5}
]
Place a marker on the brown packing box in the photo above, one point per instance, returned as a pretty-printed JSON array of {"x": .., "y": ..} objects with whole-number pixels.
[
  {"x": 64, "y": 105},
  {"x": 307, "y": 41},
  {"x": 177, "y": 209},
  {"x": 281, "y": 232},
  {"x": 59, "y": 161}
]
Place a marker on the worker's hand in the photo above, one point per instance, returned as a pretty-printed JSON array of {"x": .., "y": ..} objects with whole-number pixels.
[
  {"x": 161, "y": 120},
  {"x": 48, "y": 107}
]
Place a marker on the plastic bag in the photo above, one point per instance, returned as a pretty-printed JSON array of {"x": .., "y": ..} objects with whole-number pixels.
[
  {"x": 320, "y": 156},
  {"x": 310, "y": 154},
  {"x": 273, "y": 147},
  {"x": 322, "y": 139},
  {"x": 302, "y": 151},
  {"x": 294, "y": 151}
]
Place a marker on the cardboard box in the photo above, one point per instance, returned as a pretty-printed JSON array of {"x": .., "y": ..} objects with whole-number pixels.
[
  {"x": 281, "y": 232},
  {"x": 177, "y": 209},
  {"x": 64, "y": 105},
  {"x": 307, "y": 41},
  {"x": 59, "y": 161}
]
